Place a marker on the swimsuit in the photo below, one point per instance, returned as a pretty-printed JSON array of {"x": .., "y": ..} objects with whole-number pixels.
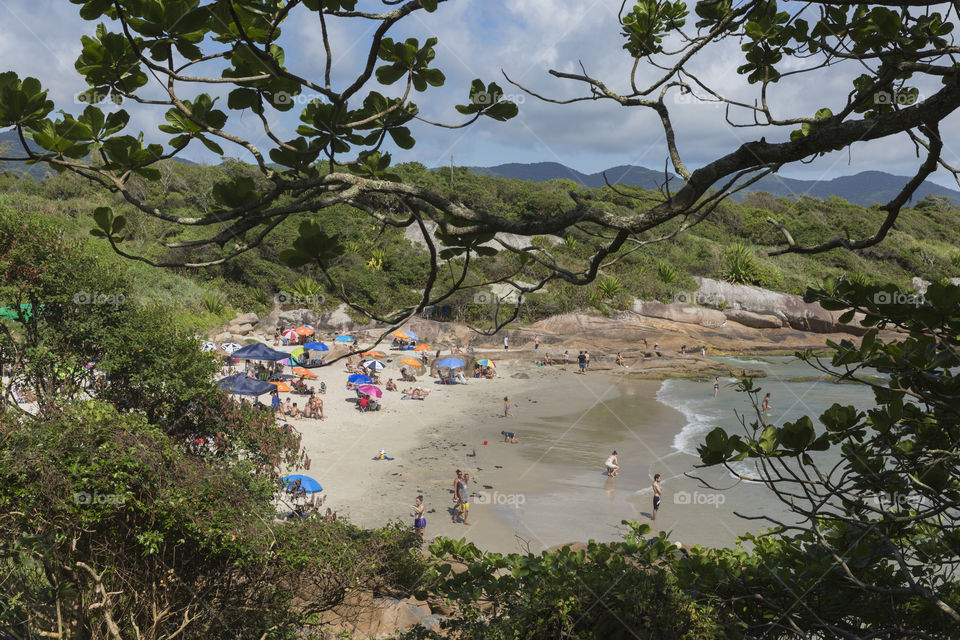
[{"x": 656, "y": 502}]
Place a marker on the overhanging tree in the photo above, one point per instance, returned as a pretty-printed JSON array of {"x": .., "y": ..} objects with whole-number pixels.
[{"x": 163, "y": 55}]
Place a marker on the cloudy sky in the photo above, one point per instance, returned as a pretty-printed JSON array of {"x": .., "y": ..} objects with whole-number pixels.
[{"x": 524, "y": 38}]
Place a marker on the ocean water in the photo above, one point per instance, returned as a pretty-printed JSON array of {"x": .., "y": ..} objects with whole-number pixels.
[
  {"x": 792, "y": 395},
  {"x": 700, "y": 506}
]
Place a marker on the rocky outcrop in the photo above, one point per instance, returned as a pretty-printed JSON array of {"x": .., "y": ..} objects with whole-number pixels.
[
  {"x": 679, "y": 312},
  {"x": 790, "y": 309},
  {"x": 920, "y": 285},
  {"x": 412, "y": 233},
  {"x": 365, "y": 616},
  {"x": 751, "y": 319}
]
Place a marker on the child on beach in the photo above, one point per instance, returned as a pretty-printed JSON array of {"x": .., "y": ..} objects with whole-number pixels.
[
  {"x": 509, "y": 436},
  {"x": 766, "y": 404},
  {"x": 613, "y": 467},
  {"x": 716, "y": 386},
  {"x": 506, "y": 408},
  {"x": 419, "y": 521}
]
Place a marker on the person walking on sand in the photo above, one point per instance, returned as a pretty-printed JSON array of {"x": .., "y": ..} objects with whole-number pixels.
[
  {"x": 506, "y": 343},
  {"x": 586, "y": 359},
  {"x": 456, "y": 494},
  {"x": 566, "y": 359},
  {"x": 536, "y": 342},
  {"x": 612, "y": 465},
  {"x": 766, "y": 404},
  {"x": 716, "y": 386},
  {"x": 419, "y": 521},
  {"x": 582, "y": 363},
  {"x": 462, "y": 510},
  {"x": 657, "y": 494},
  {"x": 506, "y": 407}
]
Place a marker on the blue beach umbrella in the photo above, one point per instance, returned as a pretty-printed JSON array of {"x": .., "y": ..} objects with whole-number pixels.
[
  {"x": 243, "y": 385},
  {"x": 306, "y": 484},
  {"x": 450, "y": 363},
  {"x": 359, "y": 378},
  {"x": 343, "y": 339},
  {"x": 316, "y": 346}
]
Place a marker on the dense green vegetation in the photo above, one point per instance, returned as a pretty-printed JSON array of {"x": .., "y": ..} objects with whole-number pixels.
[{"x": 381, "y": 269}]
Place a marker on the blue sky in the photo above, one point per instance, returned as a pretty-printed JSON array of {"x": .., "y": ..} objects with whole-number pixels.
[{"x": 479, "y": 38}]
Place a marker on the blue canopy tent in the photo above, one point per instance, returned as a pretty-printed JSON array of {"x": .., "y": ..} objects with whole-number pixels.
[
  {"x": 242, "y": 385},
  {"x": 306, "y": 483},
  {"x": 317, "y": 346},
  {"x": 259, "y": 352}
]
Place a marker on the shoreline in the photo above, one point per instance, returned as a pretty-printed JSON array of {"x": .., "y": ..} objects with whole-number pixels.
[{"x": 547, "y": 490}]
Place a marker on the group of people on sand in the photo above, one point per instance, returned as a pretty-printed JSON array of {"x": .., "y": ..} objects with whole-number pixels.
[
  {"x": 312, "y": 409},
  {"x": 415, "y": 393}
]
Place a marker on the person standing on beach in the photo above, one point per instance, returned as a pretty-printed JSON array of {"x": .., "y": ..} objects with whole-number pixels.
[
  {"x": 766, "y": 404},
  {"x": 566, "y": 359},
  {"x": 536, "y": 342},
  {"x": 506, "y": 343},
  {"x": 582, "y": 363},
  {"x": 456, "y": 494},
  {"x": 703, "y": 352},
  {"x": 463, "y": 497},
  {"x": 419, "y": 521},
  {"x": 586, "y": 359},
  {"x": 716, "y": 386},
  {"x": 657, "y": 494},
  {"x": 506, "y": 407}
]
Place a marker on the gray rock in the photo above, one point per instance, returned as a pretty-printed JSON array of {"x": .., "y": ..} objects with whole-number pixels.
[
  {"x": 751, "y": 319},
  {"x": 791, "y": 309},
  {"x": 242, "y": 329},
  {"x": 679, "y": 312},
  {"x": 246, "y": 318},
  {"x": 298, "y": 317},
  {"x": 432, "y": 622}
]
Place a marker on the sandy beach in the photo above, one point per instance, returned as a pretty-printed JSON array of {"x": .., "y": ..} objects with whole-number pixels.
[{"x": 548, "y": 489}]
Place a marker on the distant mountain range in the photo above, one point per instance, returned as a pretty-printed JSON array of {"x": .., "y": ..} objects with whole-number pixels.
[{"x": 865, "y": 188}]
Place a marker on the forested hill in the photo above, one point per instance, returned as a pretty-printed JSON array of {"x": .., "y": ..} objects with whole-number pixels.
[
  {"x": 866, "y": 188},
  {"x": 382, "y": 269}
]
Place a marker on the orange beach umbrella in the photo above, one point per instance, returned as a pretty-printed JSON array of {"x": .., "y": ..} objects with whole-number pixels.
[
  {"x": 411, "y": 362},
  {"x": 282, "y": 387}
]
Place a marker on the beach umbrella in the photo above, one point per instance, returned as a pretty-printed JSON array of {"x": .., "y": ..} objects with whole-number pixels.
[
  {"x": 304, "y": 373},
  {"x": 317, "y": 346},
  {"x": 89, "y": 365},
  {"x": 372, "y": 354},
  {"x": 208, "y": 346},
  {"x": 450, "y": 363},
  {"x": 282, "y": 387},
  {"x": 343, "y": 339},
  {"x": 304, "y": 331},
  {"x": 487, "y": 363},
  {"x": 401, "y": 335},
  {"x": 291, "y": 334},
  {"x": 375, "y": 365},
  {"x": 242, "y": 385},
  {"x": 422, "y": 347},
  {"x": 296, "y": 353},
  {"x": 410, "y": 362},
  {"x": 258, "y": 351},
  {"x": 230, "y": 347},
  {"x": 359, "y": 378},
  {"x": 370, "y": 390},
  {"x": 297, "y": 483},
  {"x": 411, "y": 335}
]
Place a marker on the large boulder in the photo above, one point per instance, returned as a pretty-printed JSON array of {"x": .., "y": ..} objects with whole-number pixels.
[
  {"x": 791, "y": 309},
  {"x": 679, "y": 312},
  {"x": 242, "y": 329},
  {"x": 245, "y": 318},
  {"x": 298, "y": 317},
  {"x": 751, "y": 319}
]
